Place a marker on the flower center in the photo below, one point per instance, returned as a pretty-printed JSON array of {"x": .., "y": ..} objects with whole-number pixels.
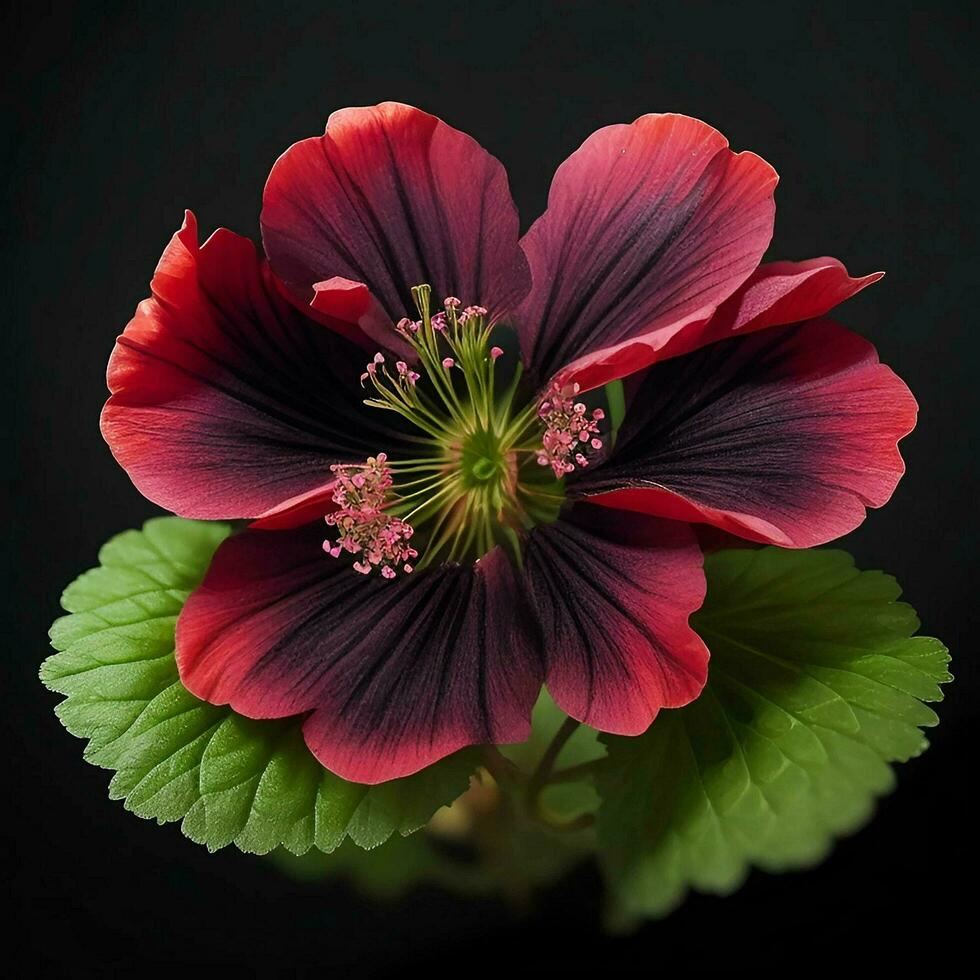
[{"x": 488, "y": 467}]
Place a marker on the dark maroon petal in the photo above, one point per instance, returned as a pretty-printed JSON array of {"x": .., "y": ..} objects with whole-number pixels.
[
  {"x": 391, "y": 197},
  {"x": 613, "y": 593},
  {"x": 649, "y": 227},
  {"x": 396, "y": 673},
  {"x": 226, "y": 402},
  {"x": 783, "y": 437},
  {"x": 776, "y": 293}
]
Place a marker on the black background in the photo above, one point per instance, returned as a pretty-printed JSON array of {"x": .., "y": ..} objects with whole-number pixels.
[{"x": 122, "y": 114}]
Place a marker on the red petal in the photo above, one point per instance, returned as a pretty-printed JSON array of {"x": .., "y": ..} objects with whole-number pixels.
[
  {"x": 649, "y": 226},
  {"x": 349, "y": 308},
  {"x": 299, "y": 510},
  {"x": 780, "y": 293},
  {"x": 613, "y": 594},
  {"x": 390, "y": 197},
  {"x": 226, "y": 401},
  {"x": 396, "y": 674},
  {"x": 784, "y": 437},
  {"x": 776, "y": 293}
]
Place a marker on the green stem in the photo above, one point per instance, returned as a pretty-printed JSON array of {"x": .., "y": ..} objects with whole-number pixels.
[
  {"x": 572, "y": 773},
  {"x": 500, "y": 767},
  {"x": 540, "y": 776}
]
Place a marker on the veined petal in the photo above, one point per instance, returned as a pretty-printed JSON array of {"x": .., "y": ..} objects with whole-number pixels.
[
  {"x": 649, "y": 227},
  {"x": 396, "y": 674},
  {"x": 777, "y": 293},
  {"x": 780, "y": 293},
  {"x": 391, "y": 197},
  {"x": 784, "y": 437},
  {"x": 226, "y": 401},
  {"x": 612, "y": 593}
]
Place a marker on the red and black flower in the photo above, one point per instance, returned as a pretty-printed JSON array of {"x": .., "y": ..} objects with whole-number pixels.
[{"x": 439, "y": 531}]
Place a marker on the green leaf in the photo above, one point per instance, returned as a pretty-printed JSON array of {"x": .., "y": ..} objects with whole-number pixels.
[
  {"x": 229, "y": 779},
  {"x": 816, "y": 684}
]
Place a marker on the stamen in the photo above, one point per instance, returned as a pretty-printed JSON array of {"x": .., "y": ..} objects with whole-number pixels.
[
  {"x": 404, "y": 371},
  {"x": 407, "y": 327},
  {"x": 363, "y": 528},
  {"x": 568, "y": 428},
  {"x": 474, "y": 484}
]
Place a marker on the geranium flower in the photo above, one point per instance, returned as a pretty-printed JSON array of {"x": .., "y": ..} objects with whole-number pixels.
[{"x": 406, "y": 402}]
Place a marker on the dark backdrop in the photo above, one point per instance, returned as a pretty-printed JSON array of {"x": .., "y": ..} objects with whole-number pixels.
[{"x": 122, "y": 114}]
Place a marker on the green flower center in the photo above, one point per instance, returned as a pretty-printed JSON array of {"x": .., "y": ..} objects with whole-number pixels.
[{"x": 490, "y": 463}]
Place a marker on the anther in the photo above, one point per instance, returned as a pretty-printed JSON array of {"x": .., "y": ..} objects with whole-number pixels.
[
  {"x": 363, "y": 528},
  {"x": 567, "y": 424}
]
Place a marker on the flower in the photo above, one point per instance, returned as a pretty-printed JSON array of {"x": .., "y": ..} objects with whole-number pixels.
[{"x": 443, "y": 515}]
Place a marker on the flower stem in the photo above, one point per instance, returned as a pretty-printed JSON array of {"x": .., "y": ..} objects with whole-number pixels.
[
  {"x": 540, "y": 776},
  {"x": 500, "y": 767},
  {"x": 571, "y": 774}
]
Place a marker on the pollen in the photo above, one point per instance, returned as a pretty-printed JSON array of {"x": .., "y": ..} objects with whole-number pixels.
[
  {"x": 379, "y": 540},
  {"x": 569, "y": 429}
]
